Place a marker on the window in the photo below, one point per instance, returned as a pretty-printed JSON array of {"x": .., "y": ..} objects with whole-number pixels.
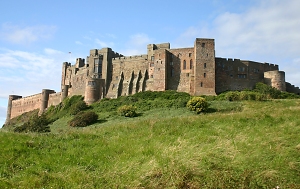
[
  {"x": 204, "y": 65},
  {"x": 91, "y": 83},
  {"x": 201, "y": 84},
  {"x": 184, "y": 64},
  {"x": 204, "y": 75},
  {"x": 203, "y": 45},
  {"x": 171, "y": 57},
  {"x": 171, "y": 63},
  {"x": 152, "y": 65},
  {"x": 241, "y": 69},
  {"x": 190, "y": 54},
  {"x": 98, "y": 65},
  {"x": 242, "y": 76},
  {"x": 191, "y": 64},
  {"x": 152, "y": 58}
]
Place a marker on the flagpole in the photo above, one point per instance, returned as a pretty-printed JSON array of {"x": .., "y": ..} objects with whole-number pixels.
[{"x": 70, "y": 56}]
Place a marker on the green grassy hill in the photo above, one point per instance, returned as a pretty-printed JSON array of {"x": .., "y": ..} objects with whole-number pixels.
[{"x": 239, "y": 144}]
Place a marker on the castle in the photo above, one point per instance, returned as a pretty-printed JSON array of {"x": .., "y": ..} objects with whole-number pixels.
[{"x": 195, "y": 70}]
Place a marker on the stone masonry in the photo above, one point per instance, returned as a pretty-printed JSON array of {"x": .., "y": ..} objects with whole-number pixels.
[{"x": 195, "y": 70}]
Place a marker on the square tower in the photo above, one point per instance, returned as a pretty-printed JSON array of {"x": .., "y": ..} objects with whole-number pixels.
[{"x": 205, "y": 67}]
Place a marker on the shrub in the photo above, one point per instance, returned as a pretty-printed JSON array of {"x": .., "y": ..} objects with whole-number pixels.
[
  {"x": 35, "y": 124},
  {"x": 77, "y": 107},
  {"x": 267, "y": 90},
  {"x": 198, "y": 104},
  {"x": 232, "y": 96},
  {"x": 127, "y": 111},
  {"x": 287, "y": 95},
  {"x": 83, "y": 119}
]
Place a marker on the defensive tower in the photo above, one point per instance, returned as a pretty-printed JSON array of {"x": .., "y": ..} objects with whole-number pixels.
[
  {"x": 204, "y": 69},
  {"x": 45, "y": 99},
  {"x": 9, "y": 106}
]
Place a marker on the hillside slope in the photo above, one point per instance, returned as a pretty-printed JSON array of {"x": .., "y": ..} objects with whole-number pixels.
[{"x": 245, "y": 144}]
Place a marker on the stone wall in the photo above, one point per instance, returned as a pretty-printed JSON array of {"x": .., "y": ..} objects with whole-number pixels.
[
  {"x": 236, "y": 74},
  {"x": 128, "y": 75},
  {"x": 292, "y": 88},
  {"x": 54, "y": 99},
  {"x": 204, "y": 71},
  {"x": 180, "y": 69},
  {"x": 25, "y": 104},
  {"x": 194, "y": 70},
  {"x": 275, "y": 79}
]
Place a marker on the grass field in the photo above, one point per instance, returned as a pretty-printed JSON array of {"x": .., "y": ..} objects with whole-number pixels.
[{"x": 245, "y": 144}]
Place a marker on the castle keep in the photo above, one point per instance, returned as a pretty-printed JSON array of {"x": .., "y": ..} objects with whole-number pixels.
[{"x": 195, "y": 70}]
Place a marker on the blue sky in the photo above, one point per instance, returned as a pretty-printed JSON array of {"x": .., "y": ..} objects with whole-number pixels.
[{"x": 36, "y": 36}]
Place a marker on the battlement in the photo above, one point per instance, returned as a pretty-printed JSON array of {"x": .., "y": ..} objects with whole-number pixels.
[
  {"x": 158, "y": 46},
  {"x": 131, "y": 57},
  {"x": 29, "y": 97},
  {"x": 195, "y": 70}
]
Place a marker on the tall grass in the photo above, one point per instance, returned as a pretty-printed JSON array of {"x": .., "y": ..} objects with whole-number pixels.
[{"x": 245, "y": 144}]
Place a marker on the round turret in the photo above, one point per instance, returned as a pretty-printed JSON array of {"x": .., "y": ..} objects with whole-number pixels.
[
  {"x": 45, "y": 99},
  {"x": 275, "y": 79},
  {"x": 92, "y": 91},
  {"x": 64, "y": 92},
  {"x": 9, "y": 106}
]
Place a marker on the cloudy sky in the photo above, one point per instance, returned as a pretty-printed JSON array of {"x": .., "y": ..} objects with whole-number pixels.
[{"x": 36, "y": 36}]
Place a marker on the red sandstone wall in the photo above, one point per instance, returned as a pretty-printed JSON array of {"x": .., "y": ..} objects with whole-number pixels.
[
  {"x": 275, "y": 79},
  {"x": 235, "y": 74},
  {"x": 132, "y": 68},
  {"x": 179, "y": 76},
  {"x": 25, "y": 104},
  {"x": 54, "y": 99},
  {"x": 159, "y": 73},
  {"x": 205, "y": 73}
]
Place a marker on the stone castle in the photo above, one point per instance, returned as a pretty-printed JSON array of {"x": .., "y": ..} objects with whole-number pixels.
[{"x": 195, "y": 70}]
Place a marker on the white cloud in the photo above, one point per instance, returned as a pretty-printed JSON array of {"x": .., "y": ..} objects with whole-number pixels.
[
  {"x": 2, "y": 121},
  {"x": 271, "y": 27},
  {"x": 266, "y": 32},
  {"x": 110, "y": 35},
  {"x": 2, "y": 113},
  {"x": 104, "y": 44},
  {"x": 78, "y": 43},
  {"x": 50, "y": 51},
  {"x": 27, "y": 73},
  {"x": 137, "y": 44},
  {"x": 26, "y": 35}
]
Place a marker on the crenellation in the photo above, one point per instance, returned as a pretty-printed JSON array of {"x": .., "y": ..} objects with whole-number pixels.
[{"x": 195, "y": 70}]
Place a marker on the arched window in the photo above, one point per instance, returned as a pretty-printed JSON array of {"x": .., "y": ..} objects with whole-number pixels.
[
  {"x": 191, "y": 64},
  {"x": 184, "y": 64}
]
